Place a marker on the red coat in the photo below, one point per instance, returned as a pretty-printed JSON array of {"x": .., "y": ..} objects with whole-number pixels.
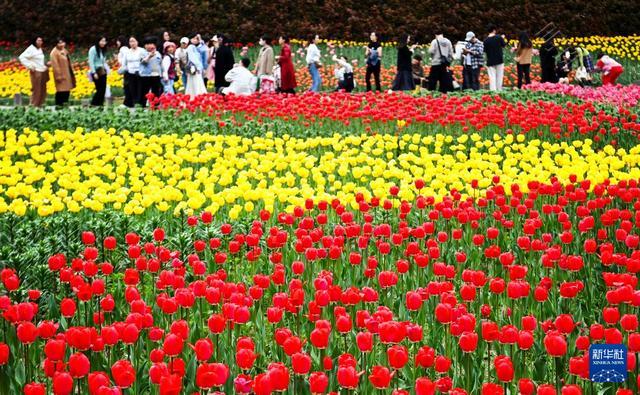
[{"x": 287, "y": 72}]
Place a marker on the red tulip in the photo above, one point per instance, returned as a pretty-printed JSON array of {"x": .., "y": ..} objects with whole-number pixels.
[
  {"x": 348, "y": 377},
  {"x": 318, "y": 382},
  {"x": 35, "y": 389},
  {"x": 79, "y": 365},
  {"x": 170, "y": 385},
  {"x": 4, "y": 354},
  {"x": 424, "y": 386},
  {"x": 62, "y": 383},
  {"x": 468, "y": 342},
  {"x": 380, "y": 377},
  {"x": 123, "y": 373}
]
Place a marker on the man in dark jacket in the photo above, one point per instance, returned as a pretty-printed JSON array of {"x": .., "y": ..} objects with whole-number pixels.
[{"x": 224, "y": 62}]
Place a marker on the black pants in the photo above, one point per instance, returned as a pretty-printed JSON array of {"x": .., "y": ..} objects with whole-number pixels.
[
  {"x": 147, "y": 84},
  {"x": 101, "y": 88},
  {"x": 62, "y": 98},
  {"x": 439, "y": 75},
  {"x": 523, "y": 74},
  {"x": 132, "y": 89},
  {"x": 471, "y": 78},
  {"x": 375, "y": 70}
]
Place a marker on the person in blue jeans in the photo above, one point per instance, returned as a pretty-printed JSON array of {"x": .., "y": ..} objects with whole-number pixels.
[{"x": 313, "y": 63}]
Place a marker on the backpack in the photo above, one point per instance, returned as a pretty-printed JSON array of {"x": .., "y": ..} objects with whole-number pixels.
[
  {"x": 374, "y": 57},
  {"x": 171, "y": 72}
]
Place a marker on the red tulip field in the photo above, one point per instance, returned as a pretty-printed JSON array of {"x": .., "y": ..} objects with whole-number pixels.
[{"x": 315, "y": 244}]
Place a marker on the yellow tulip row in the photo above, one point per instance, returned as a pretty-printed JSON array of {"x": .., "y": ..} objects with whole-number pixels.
[
  {"x": 76, "y": 169},
  {"x": 15, "y": 79}
]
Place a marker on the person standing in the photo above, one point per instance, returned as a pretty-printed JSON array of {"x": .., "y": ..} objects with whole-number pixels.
[
  {"x": 548, "y": 53},
  {"x": 130, "y": 69},
  {"x": 203, "y": 49},
  {"x": 287, "y": 72},
  {"x": 314, "y": 63},
  {"x": 264, "y": 65},
  {"x": 610, "y": 69},
  {"x": 373, "y": 54},
  {"x": 150, "y": 71},
  {"x": 168, "y": 67},
  {"x": 524, "y": 54},
  {"x": 493, "y": 46},
  {"x": 224, "y": 62},
  {"x": 181, "y": 60},
  {"x": 121, "y": 44},
  {"x": 33, "y": 59},
  {"x": 473, "y": 60},
  {"x": 195, "y": 84},
  {"x": 441, "y": 52},
  {"x": 404, "y": 75},
  {"x": 98, "y": 70},
  {"x": 62, "y": 72}
]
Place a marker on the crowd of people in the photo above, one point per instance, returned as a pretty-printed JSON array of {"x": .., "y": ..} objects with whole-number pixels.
[{"x": 153, "y": 66}]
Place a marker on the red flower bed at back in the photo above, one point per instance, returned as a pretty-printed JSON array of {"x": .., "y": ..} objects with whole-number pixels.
[
  {"x": 492, "y": 113},
  {"x": 447, "y": 295}
]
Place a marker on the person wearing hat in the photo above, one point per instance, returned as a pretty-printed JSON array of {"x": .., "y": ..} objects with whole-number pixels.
[
  {"x": 180, "y": 57},
  {"x": 168, "y": 67},
  {"x": 472, "y": 61}
]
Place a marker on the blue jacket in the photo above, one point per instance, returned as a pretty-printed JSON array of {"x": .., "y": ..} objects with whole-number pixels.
[
  {"x": 194, "y": 56},
  {"x": 96, "y": 59},
  {"x": 152, "y": 67}
]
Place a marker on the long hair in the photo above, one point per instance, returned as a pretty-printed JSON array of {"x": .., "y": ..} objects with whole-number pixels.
[
  {"x": 403, "y": 41},
  {"x": 33, "y": 41},
  {"x": 524, "y": 41},
  {"x": 101, "y": 50}
]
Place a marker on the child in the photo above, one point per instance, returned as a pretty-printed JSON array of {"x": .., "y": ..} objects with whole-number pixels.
[
  {"x": 417, "y": 70},
  {"x": 610, "y": 69}
]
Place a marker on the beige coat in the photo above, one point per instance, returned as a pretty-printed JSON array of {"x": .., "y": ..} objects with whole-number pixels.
[
  {"x": 265, "y": 62},
  {"x": 62, "y": 71}
]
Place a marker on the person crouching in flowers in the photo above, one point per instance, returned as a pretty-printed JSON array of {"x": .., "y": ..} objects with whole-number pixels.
[
  {"x": 241, "y": 81},
  {"x": 62, "y": 72},
  {"x": 168, "y": 67},
  {"x": 344, "y": 74},
  {"x": 610, "y": 69},
  {"x": 33, "y": 59}
]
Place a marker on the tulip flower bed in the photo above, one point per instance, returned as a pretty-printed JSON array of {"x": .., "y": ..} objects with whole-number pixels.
[
  {"x": 463, "y": 113},
  {"x": 494, "y": 294},
  {"x": 619, "y": 95}
]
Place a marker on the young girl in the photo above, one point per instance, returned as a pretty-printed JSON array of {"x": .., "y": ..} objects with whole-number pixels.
[{"x": 168, "y": 67}]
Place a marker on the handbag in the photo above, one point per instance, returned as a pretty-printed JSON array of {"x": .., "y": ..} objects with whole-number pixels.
[{"x": 444, "y": 61}]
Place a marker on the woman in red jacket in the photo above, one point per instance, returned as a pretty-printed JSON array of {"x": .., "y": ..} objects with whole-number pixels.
[{"x": 287, "y": 72}]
